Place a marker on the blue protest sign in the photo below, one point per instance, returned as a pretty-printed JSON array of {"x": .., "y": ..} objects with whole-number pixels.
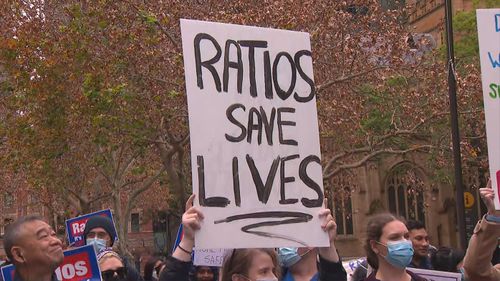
[
  {"x": 78, "y": 264},
  {"x": 76, "y": 226},
  {"x": 8, "y": 272},
  {"x": 178, "y": 238}
]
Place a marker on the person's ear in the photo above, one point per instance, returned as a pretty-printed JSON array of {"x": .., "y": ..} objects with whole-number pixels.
[
  {"x": 373, "y": 245},
  {"x": 18, "y": 254}
]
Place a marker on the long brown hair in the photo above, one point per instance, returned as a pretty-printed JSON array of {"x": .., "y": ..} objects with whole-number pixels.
[
  {"x": 240, "y": 261},
  {"x": 374, "y": 230}
]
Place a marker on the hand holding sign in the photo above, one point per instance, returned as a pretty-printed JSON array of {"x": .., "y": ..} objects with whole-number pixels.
[
  {"x": 329, "y": 226},
  {"x": 191, "y": 222},
  {"x": 488, "y": 195},
  {"x": 191, "y": 219}
]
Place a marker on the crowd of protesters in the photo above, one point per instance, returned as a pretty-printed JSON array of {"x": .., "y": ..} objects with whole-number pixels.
[{"x": 392, "y": 246}]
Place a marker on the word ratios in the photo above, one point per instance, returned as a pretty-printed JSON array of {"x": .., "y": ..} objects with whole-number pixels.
[{"x": 270, "y": 66}]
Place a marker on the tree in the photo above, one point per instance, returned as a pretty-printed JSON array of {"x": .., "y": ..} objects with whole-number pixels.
[{"x": 96, "y": 111}]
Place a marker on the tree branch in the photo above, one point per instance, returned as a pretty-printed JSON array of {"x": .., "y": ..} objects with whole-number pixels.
[
  {"x": 370, "y": 156},
  {"x": 326, "y": 85},
  {"x": 144, "y": 187}
]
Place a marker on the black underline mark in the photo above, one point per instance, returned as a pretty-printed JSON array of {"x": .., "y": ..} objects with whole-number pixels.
[{"x": 291, "y": 218}]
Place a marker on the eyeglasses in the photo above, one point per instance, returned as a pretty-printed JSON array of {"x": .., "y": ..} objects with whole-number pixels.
[{"x": 121, "y": 272}]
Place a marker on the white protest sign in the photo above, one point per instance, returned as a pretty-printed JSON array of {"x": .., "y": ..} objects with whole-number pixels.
[
  {"x": 488, "y": 26},
  {"x": 209, "y": 257},
  {"x": 254, "y": 136},
  {"x": 434, "y": 275}
]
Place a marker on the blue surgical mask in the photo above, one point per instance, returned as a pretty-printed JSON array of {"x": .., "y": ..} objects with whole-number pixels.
[
  {"x": 99, "y": 244},
  {"x": 399, "y": 253},
  {"x": 288, "y": 256}
]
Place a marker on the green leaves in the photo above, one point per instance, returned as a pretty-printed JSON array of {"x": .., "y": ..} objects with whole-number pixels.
[
  {"x": 376, "y": 121},
  {"x": 148, "y": 17}
]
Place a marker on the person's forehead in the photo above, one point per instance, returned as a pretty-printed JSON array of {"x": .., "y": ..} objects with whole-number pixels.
[
  {"x": 204, "y": 269},
  {"x": 418, "y": 232},
  {"x": 394, "y": 227},
  {"x": 36, "y": 226},
  {"x": 110, "y": 263},
  {"x": 31, "y": 229},
  {"x": 262, "y": 260},
  {"x": 98, "y": 230}
]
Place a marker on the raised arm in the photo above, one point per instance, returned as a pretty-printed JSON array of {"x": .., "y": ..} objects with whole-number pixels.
[
  {"x": 477, "y": 261},
  {"x": 330, "y": 265},
  {"x": 178, "y": 265}
]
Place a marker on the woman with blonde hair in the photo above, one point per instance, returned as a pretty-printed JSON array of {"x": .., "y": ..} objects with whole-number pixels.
[{"x": 113, "y": 267}]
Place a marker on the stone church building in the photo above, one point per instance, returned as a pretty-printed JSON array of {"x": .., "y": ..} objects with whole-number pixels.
[{"x": 386, "y": 186}]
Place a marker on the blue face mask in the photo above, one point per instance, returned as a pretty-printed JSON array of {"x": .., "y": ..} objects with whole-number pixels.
[
  {"x": 399, "y": 253},
  {"x": 288, "y": 256},
  {"x": 99, "y": 244}
]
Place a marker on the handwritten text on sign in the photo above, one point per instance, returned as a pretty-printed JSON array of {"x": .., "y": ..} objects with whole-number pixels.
[
  {"x": 210, "y": 257},
  {"x": 254, "y": 135},
  {"x": 488, "y": 25}
]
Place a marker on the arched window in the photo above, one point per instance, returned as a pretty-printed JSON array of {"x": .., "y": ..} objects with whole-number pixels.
[
  {"x": 339, "y": 190},
  {"x": 405, "y": 193}
]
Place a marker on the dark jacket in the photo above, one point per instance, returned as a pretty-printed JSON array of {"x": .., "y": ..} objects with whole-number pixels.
[
  {"x": 176, "y": 270},
  {"x": 414, "y": 277},
  {"x": 424, "y": 264},
  {"x": 132, "y": 273}
]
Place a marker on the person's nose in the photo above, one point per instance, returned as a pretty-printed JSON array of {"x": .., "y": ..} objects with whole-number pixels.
[{"x": 56, "y": 241}]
